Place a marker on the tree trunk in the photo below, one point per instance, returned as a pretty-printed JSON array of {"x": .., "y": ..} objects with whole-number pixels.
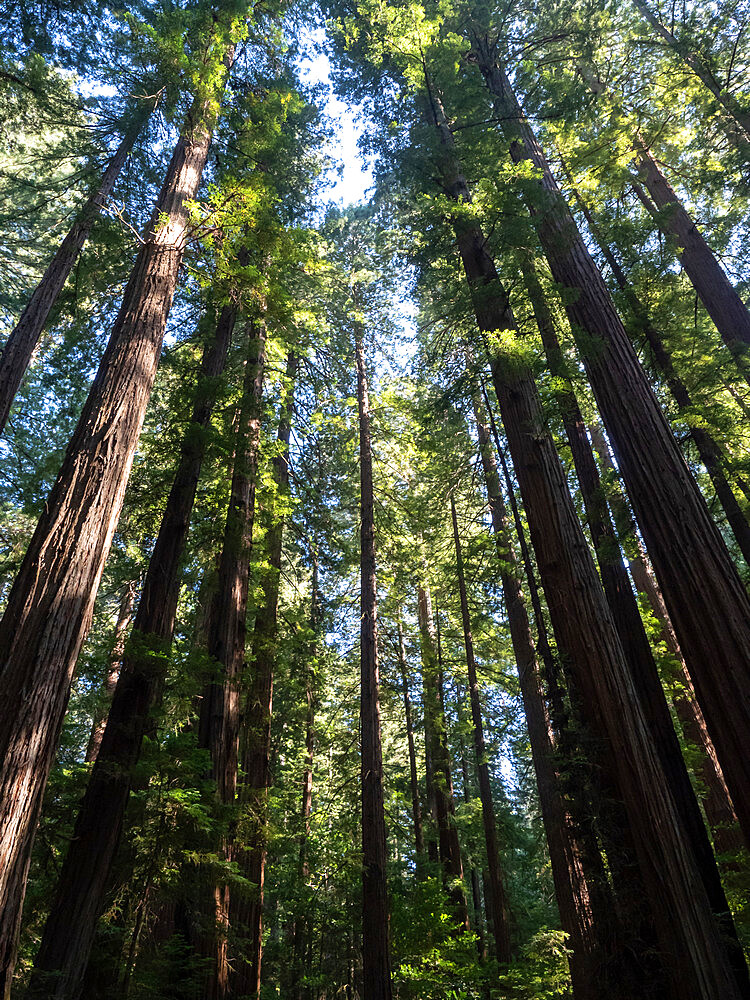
[
  {"x": 498, "y": 902},
  {"x": 23, "y": 339},
  {"x": 124, "y": 616},
  {"x": 79, "y": 898},
  {"x": 709, "y": 450},
  {"x": 436, "y": 738},
  {"x": 635, "y": 644},
  {"x": 476, "y": 896},
  {"x": 253, "y": 792},
  {"x": 720, "y": 298},
  {"x": 707, "y": 602},
  {"x": 739, "y": 133},
  {"x": 376, "y": 963},
  {"x": 587, "y": 638},
  {"x": 416, "y": 808},
  {"x": 220, "y": 709},
  {"x": 717, "y": 802}
]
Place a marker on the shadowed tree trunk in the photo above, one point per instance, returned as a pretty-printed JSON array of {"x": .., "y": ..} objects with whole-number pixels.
[
  {"x": 707, "y": 602},
  {"x": 376, "y": 963},
  {"x": 253, "y": 792},
  {"x": 124, "y": 616},
  {"x": 476, "y": 895},
  {"x": 586, "y": 635},
  {"x": 436, "y": 739},
  {"x": 23, "y": 339},
  {"x": 582, "y": 891},
  {"x": 220, "y": 708},
  {"x": 720, "y": 298},
  {"x": 51, "y": 602},
  {"x": 79, "y": 898},
  {"x": 627, "y": 619},
  {"x": 709, "y": 450},
  {"x": 497, "y": 903},
  {"x": 416, "y": 808}
]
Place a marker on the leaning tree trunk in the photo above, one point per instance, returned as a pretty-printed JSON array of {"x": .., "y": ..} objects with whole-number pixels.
[
  {"x": 449, "y": 847},
  {"x": 124, "y": 616},
  {"x": 719, "y": 296},
  {"x": 220, "y": 708},
  {"x": 583, "y": 895},
  {"x": 739, "y": 131},
  {"x": 376, "y": 963},
  {"x": 79, "y": 897},
  {"x": 586, "y": 635},
  {"x": 707, "y": 601},
  {"x": 51, "y": 602},
  {"x": 497, "y": 902},
  {"x": 632, "y": 634},
  {"x": 253, "y": 792},
  {"x": 23, "y": 339},
  {"x": 416, "y": 807},
  {"x": 709, "y": 450}
]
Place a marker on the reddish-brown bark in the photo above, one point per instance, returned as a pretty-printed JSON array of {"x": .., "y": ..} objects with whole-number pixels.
[
  {"x": 79, "y": 897},
  {"x": 586, "y": 635},
  {"x": 376, "y": 962},
  {"x": 416, "y": 807},
  {"x": 497, "y": 903},
  {"x": 51, "y": 602},
  {"x": 219, "y": 723},
  {"x": 23, "y": 339},
  {"x": 708, "y": 604}
]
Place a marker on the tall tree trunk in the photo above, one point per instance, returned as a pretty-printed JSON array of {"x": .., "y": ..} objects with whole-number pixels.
[
  {"x": 717, "y": 802},
  {"x": 709, "y": 450},
  {"x": 79, "y": 897},
  {"x": 416, "y": 808},
  {"x": 583, "y": 896},
  {"x": 720, "y": 298},
  {"x": 476, "y": 895},
  {"x": 436, "y": 739},
  {"x": 498, "y": 901},
  {"x": 633, "y": 638},
  {"x": 51, "y": 602},
  {"x": 23, "y": 339},
  {"x": 124, "y": 616},
  {"x": 586, "y": 635},
  {"x": 739, "y": 133},
  {"x": 376, "y": 963},
  {"x": 302, "y": 920},
  {"x": 253, "y": 792},
  {"x": 220, "y": 709},
  {"x": 707, "y": 602}
]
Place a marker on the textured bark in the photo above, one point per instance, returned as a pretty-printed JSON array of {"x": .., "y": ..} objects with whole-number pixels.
[
  {"x": 253, "y": 792},
  {"x": 497, "y": 903},
  {"x": 708, "y": 605},
  {"x": 51, "y": 602},
  {"x": 720, "y": 298},
  {"x": 124, "y": 616},
  {"x": 709, "y": 450},
  {"x": 416, "y": 807},
  {"x": 739, "y": 133},
  {"x": 79, "y": 899},
  {"x": 587, "y": 638},
  {"x": 635, "y": 644},
  {"x": 23, "y": 339},
  {"x": 219, "y": 723},
  {"x": 717, "y": 802},
  {"x": 449, "y": 849},
  {"x": 376, "y": 963},
  {"x": 582, "y": 892}
]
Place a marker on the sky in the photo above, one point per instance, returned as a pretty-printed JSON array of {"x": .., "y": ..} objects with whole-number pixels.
[{"x": 352, "y": 177}]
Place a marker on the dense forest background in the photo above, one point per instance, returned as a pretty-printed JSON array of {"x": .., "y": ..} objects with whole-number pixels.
[{"x": 374, "y": 577}]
